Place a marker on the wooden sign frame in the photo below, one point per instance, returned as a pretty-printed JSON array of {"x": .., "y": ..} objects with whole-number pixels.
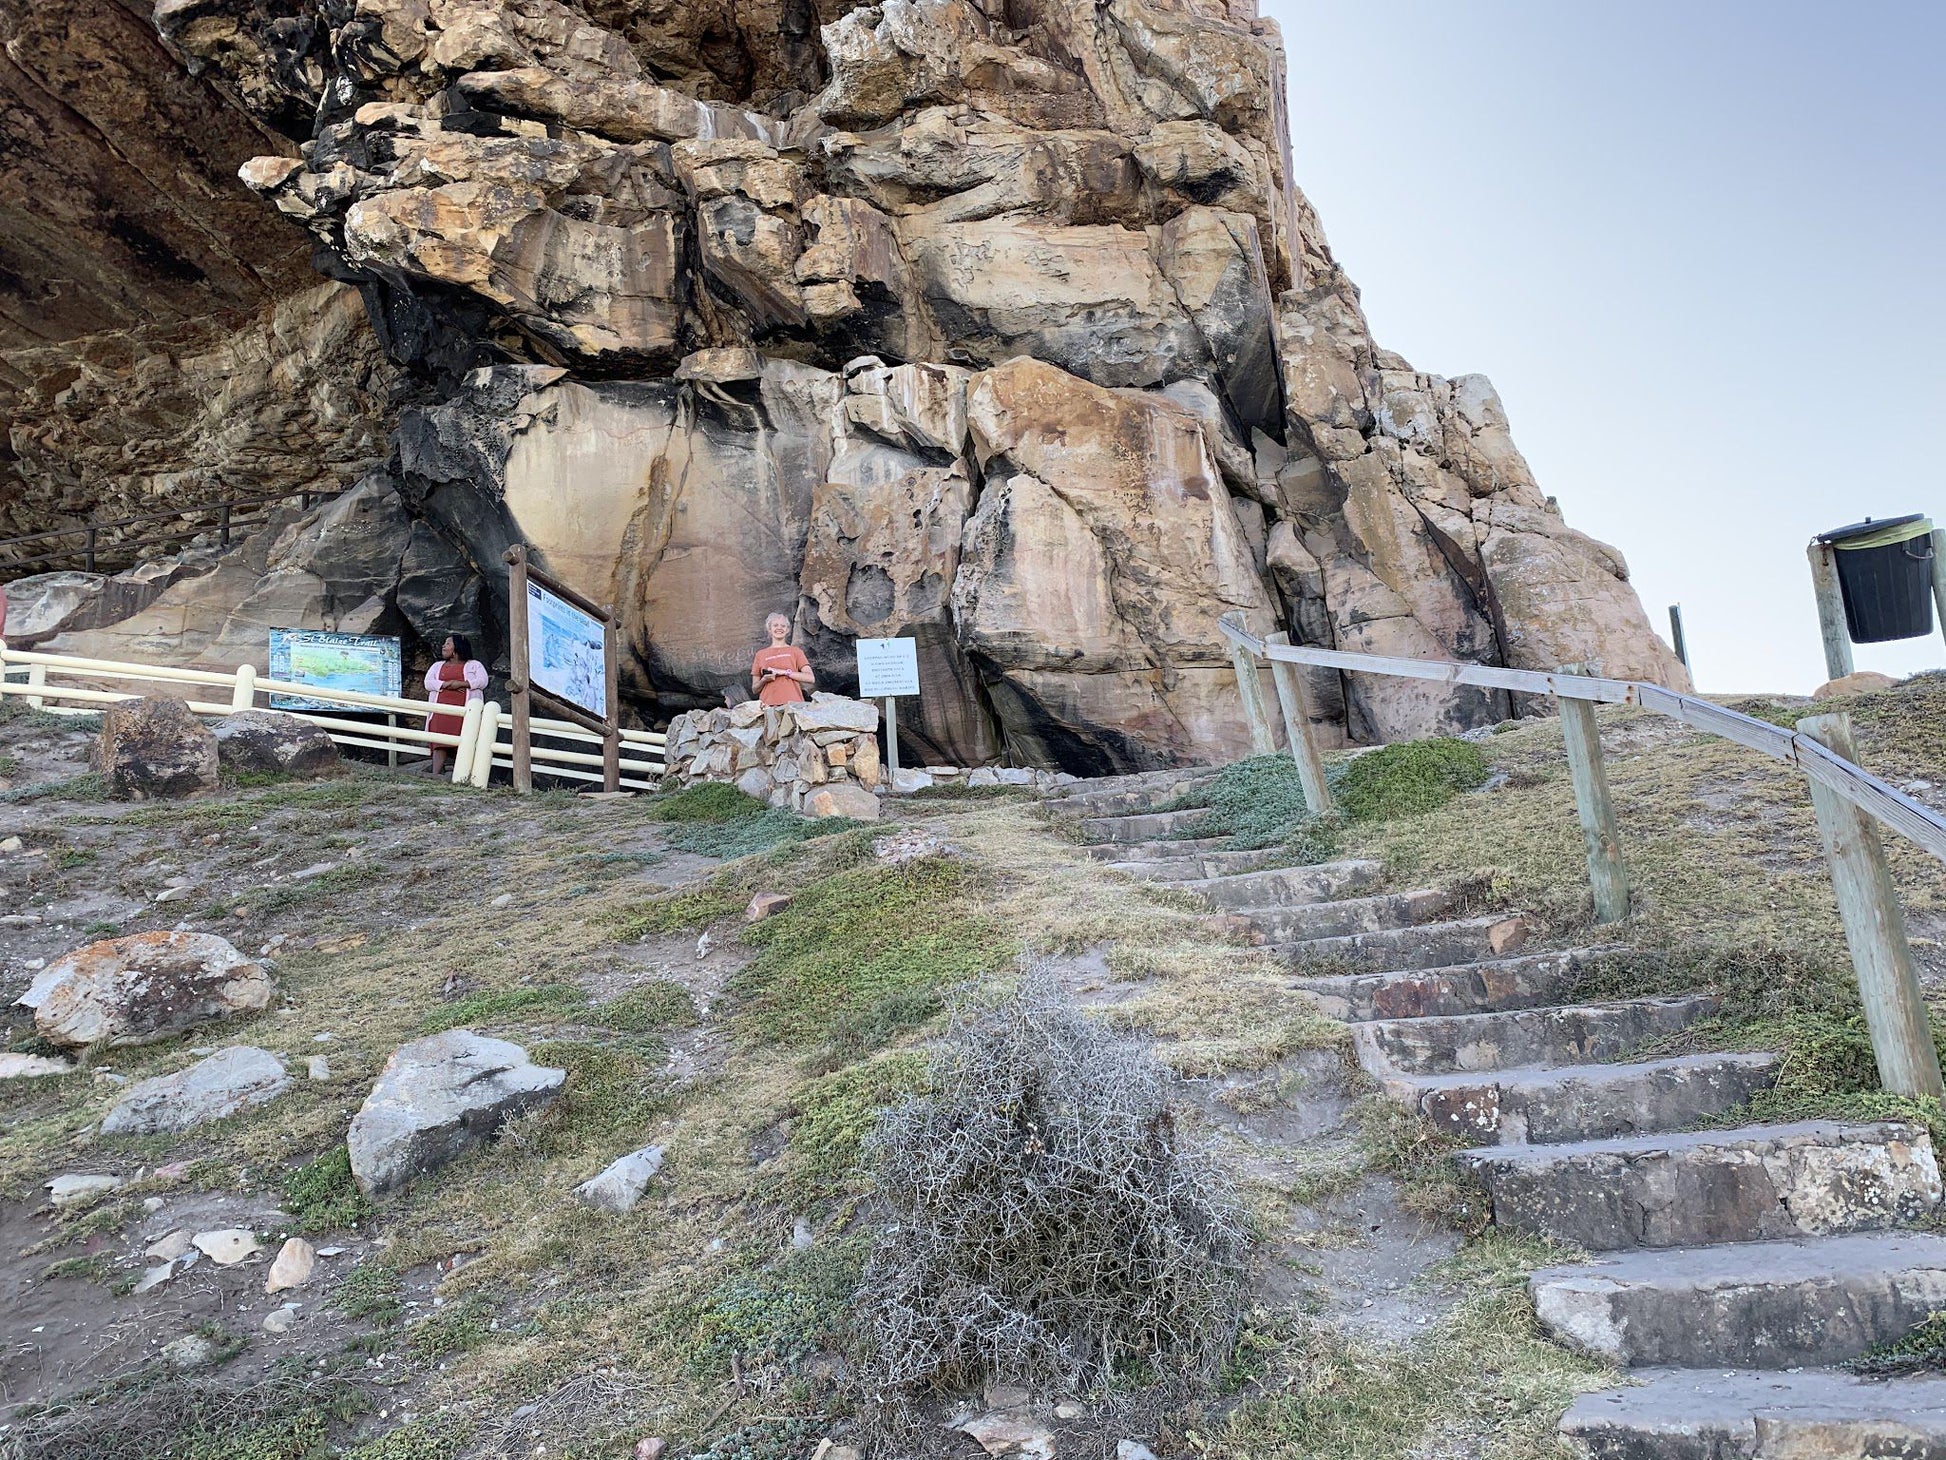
[{"x": 522, "y": 693}]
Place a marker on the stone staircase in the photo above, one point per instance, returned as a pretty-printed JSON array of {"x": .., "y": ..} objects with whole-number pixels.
[{"x": 1728, "y": 1267}]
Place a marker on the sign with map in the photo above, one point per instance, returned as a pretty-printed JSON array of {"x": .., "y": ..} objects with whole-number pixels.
[
  {"x": 887, "y": 667},
  {"x": 567, "y": 652},
  {"x": 362, "y": 663}
]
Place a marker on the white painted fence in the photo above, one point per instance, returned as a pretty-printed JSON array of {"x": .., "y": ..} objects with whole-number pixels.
[{"x": 67, "y": 684}]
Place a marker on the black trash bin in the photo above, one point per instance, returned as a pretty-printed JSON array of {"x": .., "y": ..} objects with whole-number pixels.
[{"x": 1885, "y": 576}]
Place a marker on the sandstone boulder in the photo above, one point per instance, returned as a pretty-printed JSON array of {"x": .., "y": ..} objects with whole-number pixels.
[
  {"x": 1859, "y": 682},
  {"x": 144, "y": 987},
  {"x": 438, "y": 1097},
  {"x": 155, "y": 747},
  {"x": 226, "y": 1083},
  {"x": 265, "y": 741},
  {"x": 843, "y": 798}
]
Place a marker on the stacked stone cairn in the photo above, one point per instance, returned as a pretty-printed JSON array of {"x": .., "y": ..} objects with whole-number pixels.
[
  {"x": 818, "y": 757},
  {"x": 781, "y": 754}
]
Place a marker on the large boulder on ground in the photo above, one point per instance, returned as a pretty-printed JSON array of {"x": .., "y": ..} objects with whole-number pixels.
[
  {"x": 155, "y": 747},
  {"x": 228, "y": 1082},
  {"x": 265, "y": 741},
  {"x": 1858, "y": 682},
  {"x": 437, "y": 1097},
  {"x": 142, "y": 988}
]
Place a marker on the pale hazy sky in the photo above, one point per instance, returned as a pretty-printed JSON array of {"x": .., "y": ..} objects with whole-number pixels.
[{"x": 1698, "y": 246}]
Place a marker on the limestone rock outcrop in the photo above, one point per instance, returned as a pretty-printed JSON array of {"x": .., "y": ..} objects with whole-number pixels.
[
  {"x": 1003, "y": 327},
  {"x": 436, "y": 1098},
  {"x": 225, "y": 1084}
]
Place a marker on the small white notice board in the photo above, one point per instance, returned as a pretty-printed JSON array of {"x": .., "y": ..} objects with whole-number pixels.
[{"x": 887, "y": 667}]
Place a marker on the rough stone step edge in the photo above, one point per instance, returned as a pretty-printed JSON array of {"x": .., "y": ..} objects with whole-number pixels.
[
  {"x": 1501, "y": 934},
  {"x": 1368, "y": 1035},
  {"x": 1558, "y": 965},
  {"x": 1828, "y": 1296}
]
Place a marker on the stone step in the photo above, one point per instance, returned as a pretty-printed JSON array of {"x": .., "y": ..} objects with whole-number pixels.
[
  {"x": 1524, "y": 981},
  {"x": 1124, "y": 799},
  {"x": 1584, "y": 1102},
  {"x": 1812, "y": 1414},
  {"x": 1185, "y": 849},
  {"x": 1204, "y": 866},
  {"x": 1348, "y": 916},
  {"x": 1139, "y": 828},
  {"x": 1578, "y": 1034},
  {"x": 1431, "y": 945},
  {"x": 1752, "y": 1184},
  {"x": 1289, "y": 886},
  {"x": 1750, "y": 1305},
  {"x": 1174, "y": 780}
]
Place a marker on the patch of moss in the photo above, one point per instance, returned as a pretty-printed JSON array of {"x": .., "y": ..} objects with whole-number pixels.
[
  {"x": 494, "y": 1005},
  {"x": 862, "y": 954},
  {"x": 692, "y": 909},
  {"x": 659, "y": 1004},
  {"x": 835, "y": 1111},
  {"x": 326, "y": 885},
  {"x": 323, "y": 1197},
  {"x": 1410, "y": 777},
  {"x": 456, "y": 1328},
  {"x": 777, "y": 1315},
  {"x": 706, "y": 801},
  {"x": 97, "y": 1268},
  {"x": 1259, "y": 803},
  {"x": 435, "y": 1439},
  {"x": 1921, "y": 1351},
  {"x": 609, "y": 1095},
  {"x": 370, "y": 1291}
]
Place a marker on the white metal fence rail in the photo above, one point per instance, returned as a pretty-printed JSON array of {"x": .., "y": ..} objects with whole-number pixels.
[
  {"x": 68, "y": 684},
  {"x": 1849, "y": 801}
]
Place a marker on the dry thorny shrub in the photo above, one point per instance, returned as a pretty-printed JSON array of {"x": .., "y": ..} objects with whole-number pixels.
[{"x": 1048, "y": 1221}]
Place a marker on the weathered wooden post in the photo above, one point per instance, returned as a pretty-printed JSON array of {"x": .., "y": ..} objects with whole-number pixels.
[
  {"x": 1888, "y": 982},
  {"x": 36, "y": 679},
  {"x": 1831, "y": 610},
  {"x": 1262, "y": 741},
  {"x": 1607, "y": 875},
  {"x": 523, "y": 760},
  {"x": 611, "y": 739},
  {"x": 1676, "y": 639},
  {"x": 1299, "y": 730},
  {"x": 1939, "y": 576}
]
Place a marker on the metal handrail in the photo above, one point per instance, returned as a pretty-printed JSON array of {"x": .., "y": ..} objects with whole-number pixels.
[
  {"x": 1918, "y": 823},
  {"x": 90, "y": 547}
]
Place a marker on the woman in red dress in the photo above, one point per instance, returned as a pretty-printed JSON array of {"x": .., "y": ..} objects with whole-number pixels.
[{"x": 456, "y": 678}]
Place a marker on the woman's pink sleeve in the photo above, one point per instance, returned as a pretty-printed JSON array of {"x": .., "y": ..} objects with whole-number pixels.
[
  {"x": 432, "y": 678},
  {"x": 476, "y": 675}
]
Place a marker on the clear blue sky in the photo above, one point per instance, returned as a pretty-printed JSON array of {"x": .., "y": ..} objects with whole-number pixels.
[{"x": 1697, "y": 245}]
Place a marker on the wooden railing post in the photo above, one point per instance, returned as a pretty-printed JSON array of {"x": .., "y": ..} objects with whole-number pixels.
[
  {"x": 244, "y": 696},
  {"x": 469, "y": 741},
  {"x": 1881, "y": 955},
  {"x": 1251, "y": 687},
  {"x": 486, "y": 744},
  {"x": 1831, "y": 611},
  {"x": 1298, "y": 729},
  {"x": 1939, "y": 575},
  {"x": 1607, "y": 876}
]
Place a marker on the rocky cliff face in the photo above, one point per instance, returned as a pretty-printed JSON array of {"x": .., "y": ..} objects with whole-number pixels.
[{"x": 999, "y": 323}]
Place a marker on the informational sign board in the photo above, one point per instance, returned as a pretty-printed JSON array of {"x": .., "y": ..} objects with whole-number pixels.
[
  {"x": 887, "y": 667},
  {"x": 566, "y": 651},
  {"x": 363, "y": 663}
]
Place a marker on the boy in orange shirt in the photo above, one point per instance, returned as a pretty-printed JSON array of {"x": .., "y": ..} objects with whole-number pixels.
[{"x": 777, "y": 672}]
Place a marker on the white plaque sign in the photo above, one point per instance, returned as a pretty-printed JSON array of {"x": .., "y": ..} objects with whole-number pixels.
[{"x": 887, "y": 667}]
